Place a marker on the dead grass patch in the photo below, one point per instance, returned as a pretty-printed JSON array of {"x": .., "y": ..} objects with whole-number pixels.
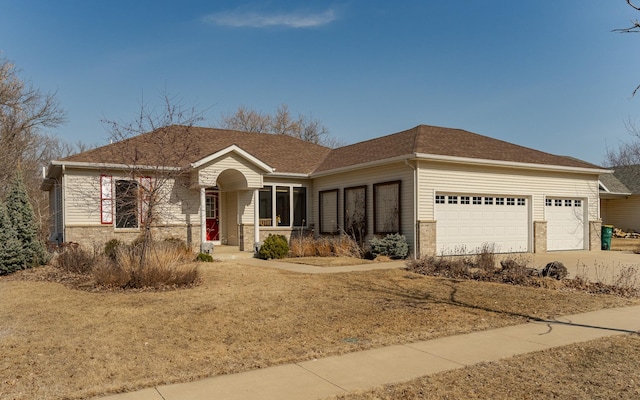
[
  {"x": 607, "y": 368},
  {"x": 327, "y": 261},
  {"x": 63, "y": 343}
]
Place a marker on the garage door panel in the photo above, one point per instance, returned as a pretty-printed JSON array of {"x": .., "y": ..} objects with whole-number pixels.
[
  {"x": 500, "y": 220},
  {"x": 565, "y": 224}
]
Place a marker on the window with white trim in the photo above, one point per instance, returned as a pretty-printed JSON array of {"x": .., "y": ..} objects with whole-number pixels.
[
  {"x": 452, "y": 199},
  {"x": 488, "y": 201},
  {"x": 577, "y": 203},
  {"x": 464, "y": 199},
  {"x": 126, "y": 204},
  {"x": 477, "y": 200},
  {"x": 521, "y": 201},
  {"x": 548, "y": 202},
  {"x": 106, "y": 199},
  {"x": 280, "y": 205},
  {"x": 440, "y": 199},
  {"x": 499, "y": 201},
  {"x": 511, "y": 201}
]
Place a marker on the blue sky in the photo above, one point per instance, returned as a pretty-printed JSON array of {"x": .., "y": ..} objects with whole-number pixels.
[{"x": 546, "y": 74}]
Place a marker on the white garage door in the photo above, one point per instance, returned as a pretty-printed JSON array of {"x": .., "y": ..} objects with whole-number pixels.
[
  {"x": 565, "y": 224},
  {"x": 466, "y": 222}
]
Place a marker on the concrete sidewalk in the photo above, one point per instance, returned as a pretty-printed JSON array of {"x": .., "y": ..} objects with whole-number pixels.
[{"x": 329, "y": 376}]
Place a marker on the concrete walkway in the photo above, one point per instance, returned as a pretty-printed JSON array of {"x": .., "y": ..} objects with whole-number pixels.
[{"x": 336, "y": 375}]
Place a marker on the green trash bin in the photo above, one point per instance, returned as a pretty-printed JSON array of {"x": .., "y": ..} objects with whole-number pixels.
[{"x": 607, "y": 233}]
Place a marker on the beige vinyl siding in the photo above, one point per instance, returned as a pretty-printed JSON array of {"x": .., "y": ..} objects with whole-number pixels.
[
  {"x": 82, "y": 202},
  {"x": 369, "y": 176},
  {"x": 177, "y": 204},
  {"x": 622, "y": 213},
  {"x": 208, "y": 175},
  {"x": 451, "y": 178},
  {"x": 245, "y": 207}
]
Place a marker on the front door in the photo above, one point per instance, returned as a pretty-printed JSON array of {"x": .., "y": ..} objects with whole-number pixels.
[{"x": 212, "y": 213}]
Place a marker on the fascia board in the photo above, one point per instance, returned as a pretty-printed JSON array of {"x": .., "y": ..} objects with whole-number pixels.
[
  {"x": 86, "y": 165},
  {"x": 511, "y": 164}
]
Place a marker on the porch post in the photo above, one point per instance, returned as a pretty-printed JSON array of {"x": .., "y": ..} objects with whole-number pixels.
[
  {"x": 203, "y": 215},
  {"x": 256, "y": 217}
]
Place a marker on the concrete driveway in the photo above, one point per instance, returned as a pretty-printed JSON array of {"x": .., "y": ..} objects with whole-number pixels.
[{"x": 596, "y": 265}]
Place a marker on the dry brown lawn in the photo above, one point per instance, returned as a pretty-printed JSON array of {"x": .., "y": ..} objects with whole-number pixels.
[
  {"x": 328, "y": 261},
  {"x": 60, "y": 342},
  {"x": 606, "y": 368}
]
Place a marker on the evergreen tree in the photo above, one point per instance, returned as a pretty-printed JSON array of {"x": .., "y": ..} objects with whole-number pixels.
[
  {"x": 11, "y": 256},
  {"x": 23, "y": 220}
]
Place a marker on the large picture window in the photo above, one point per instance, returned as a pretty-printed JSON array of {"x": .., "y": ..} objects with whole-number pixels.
[
  {"x": 126, "y": 204},
  {"x": 355, "y": 212},
  {"x": 282, "y": 205},
  {"x": 329, "y": 211},
  {"x": 386, "y": 207}
]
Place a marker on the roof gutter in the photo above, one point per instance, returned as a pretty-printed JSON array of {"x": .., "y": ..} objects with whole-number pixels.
[
  {"x": 86, "y": 165},
  {"x": 511, "y": 164}
]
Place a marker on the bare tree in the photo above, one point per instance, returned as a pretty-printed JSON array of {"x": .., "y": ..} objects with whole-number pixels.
[
  {"x": 634, "y": 28},
  {"x": 150, "y": 166},
  {"x": 281, "y": 123},
  {"x": 627, "y": 153},
  {"x": 25, "y": 115}
]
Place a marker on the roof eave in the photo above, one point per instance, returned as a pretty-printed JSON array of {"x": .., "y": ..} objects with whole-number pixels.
[
  {"x": 511, "y": 164},
  {"x": 93, "y": 165}
]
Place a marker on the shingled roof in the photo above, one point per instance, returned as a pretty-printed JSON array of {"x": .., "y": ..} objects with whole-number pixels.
[
  {"x": 433, "y": 140},
  {"x": 178, "y": 146},
  {"x": 629, "y": 176}
]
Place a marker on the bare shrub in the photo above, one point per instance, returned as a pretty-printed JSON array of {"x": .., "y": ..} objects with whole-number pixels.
[
  {"x": 323, "y": 247},
  {"x": 76, "y": 259},
  {"x": 346, "y": 246},
  {"x": 108, "y": 273},
  {"x": 165, "y": 267},
  {"x": 302, "y": 246},
  {"x": 485, "y": 258}
]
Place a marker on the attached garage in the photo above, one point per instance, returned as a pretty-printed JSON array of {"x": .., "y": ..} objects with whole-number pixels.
[
  {"x": 466, "y": 222},
  {"x": 565, "y": 223}
]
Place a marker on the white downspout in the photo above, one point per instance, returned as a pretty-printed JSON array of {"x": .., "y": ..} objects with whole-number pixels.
[
  {"x": 63, "y": 205},
  {"x": 415, "y": 209},
  {"x": 203, "y": 216},
  {"x": 256, "y": 218}
]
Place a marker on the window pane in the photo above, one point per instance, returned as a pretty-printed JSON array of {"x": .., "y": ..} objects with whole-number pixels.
[
  {"x": 283, "y": 214},
  {"x": 386, "y": 200},
  {"x": 329, "y": 211},
  {"x": 355, "y": 217},
  {"x": 126, "y": 204},
  {"x": 266, "y": 208},
  {"x": 299, "y": 206}
]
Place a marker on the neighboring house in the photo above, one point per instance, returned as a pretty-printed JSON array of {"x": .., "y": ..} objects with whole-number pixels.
[
  {"x": 620, "y": 198},
  {"x": 446, "y": 190}
]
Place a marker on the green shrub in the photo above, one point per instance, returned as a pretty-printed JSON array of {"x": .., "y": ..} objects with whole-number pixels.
[
  {"x": 204, "y": 257},
  {"x": 274, "y": 246},
  {"x": 393, "y": 245}
]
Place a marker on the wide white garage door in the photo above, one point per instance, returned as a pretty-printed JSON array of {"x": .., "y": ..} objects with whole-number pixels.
[
  {"x": 565, "y": 224},
  {"x": 464, "y": 223}
]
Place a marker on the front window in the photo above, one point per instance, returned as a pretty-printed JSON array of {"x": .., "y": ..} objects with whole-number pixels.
[
  {"x": 281, "y": 205},
  {"x": 299, "y": 206},
  {"x": 386, "y": 207},
  {"x": 126, "y": 204}
]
